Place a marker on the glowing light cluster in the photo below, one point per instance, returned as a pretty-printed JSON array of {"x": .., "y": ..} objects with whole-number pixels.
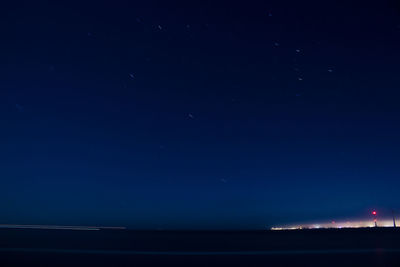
[{"x": 338, "y": 225}]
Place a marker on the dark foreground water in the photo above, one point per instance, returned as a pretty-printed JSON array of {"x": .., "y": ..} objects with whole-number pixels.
[{"x": 336, "y": 247}]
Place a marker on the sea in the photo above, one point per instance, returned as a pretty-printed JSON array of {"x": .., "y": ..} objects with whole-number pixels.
[{"x": 123, "y": 247}]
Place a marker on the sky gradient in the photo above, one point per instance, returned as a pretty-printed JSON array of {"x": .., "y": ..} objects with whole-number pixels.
[{"x": 198, "y": 114}]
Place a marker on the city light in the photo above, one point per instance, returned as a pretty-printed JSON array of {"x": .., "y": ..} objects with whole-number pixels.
[{"x": 337, "y": 225}]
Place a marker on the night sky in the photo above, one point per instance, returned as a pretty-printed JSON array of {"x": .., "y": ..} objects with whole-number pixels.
[{"x": 198, "y": 114}]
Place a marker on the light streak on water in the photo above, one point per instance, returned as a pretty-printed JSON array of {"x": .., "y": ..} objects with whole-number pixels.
[
  {"x": 59, "y": 227},
  {"x": 378, "y": 251}
]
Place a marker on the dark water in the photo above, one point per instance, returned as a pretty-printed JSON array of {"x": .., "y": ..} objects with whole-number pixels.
[{"x": 345, "y": 247}]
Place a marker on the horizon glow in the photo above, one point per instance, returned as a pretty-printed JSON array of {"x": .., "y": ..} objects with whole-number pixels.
[{"x": 337, "y": 225}]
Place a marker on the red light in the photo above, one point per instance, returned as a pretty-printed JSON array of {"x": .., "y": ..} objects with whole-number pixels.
[{"x": 374, "y": 213}]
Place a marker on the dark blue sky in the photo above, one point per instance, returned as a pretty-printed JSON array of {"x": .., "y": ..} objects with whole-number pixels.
[{"x": 198, "y": 114}]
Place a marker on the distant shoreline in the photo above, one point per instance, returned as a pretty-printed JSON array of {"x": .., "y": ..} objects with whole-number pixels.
[{"x": 59, "y": 227}]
